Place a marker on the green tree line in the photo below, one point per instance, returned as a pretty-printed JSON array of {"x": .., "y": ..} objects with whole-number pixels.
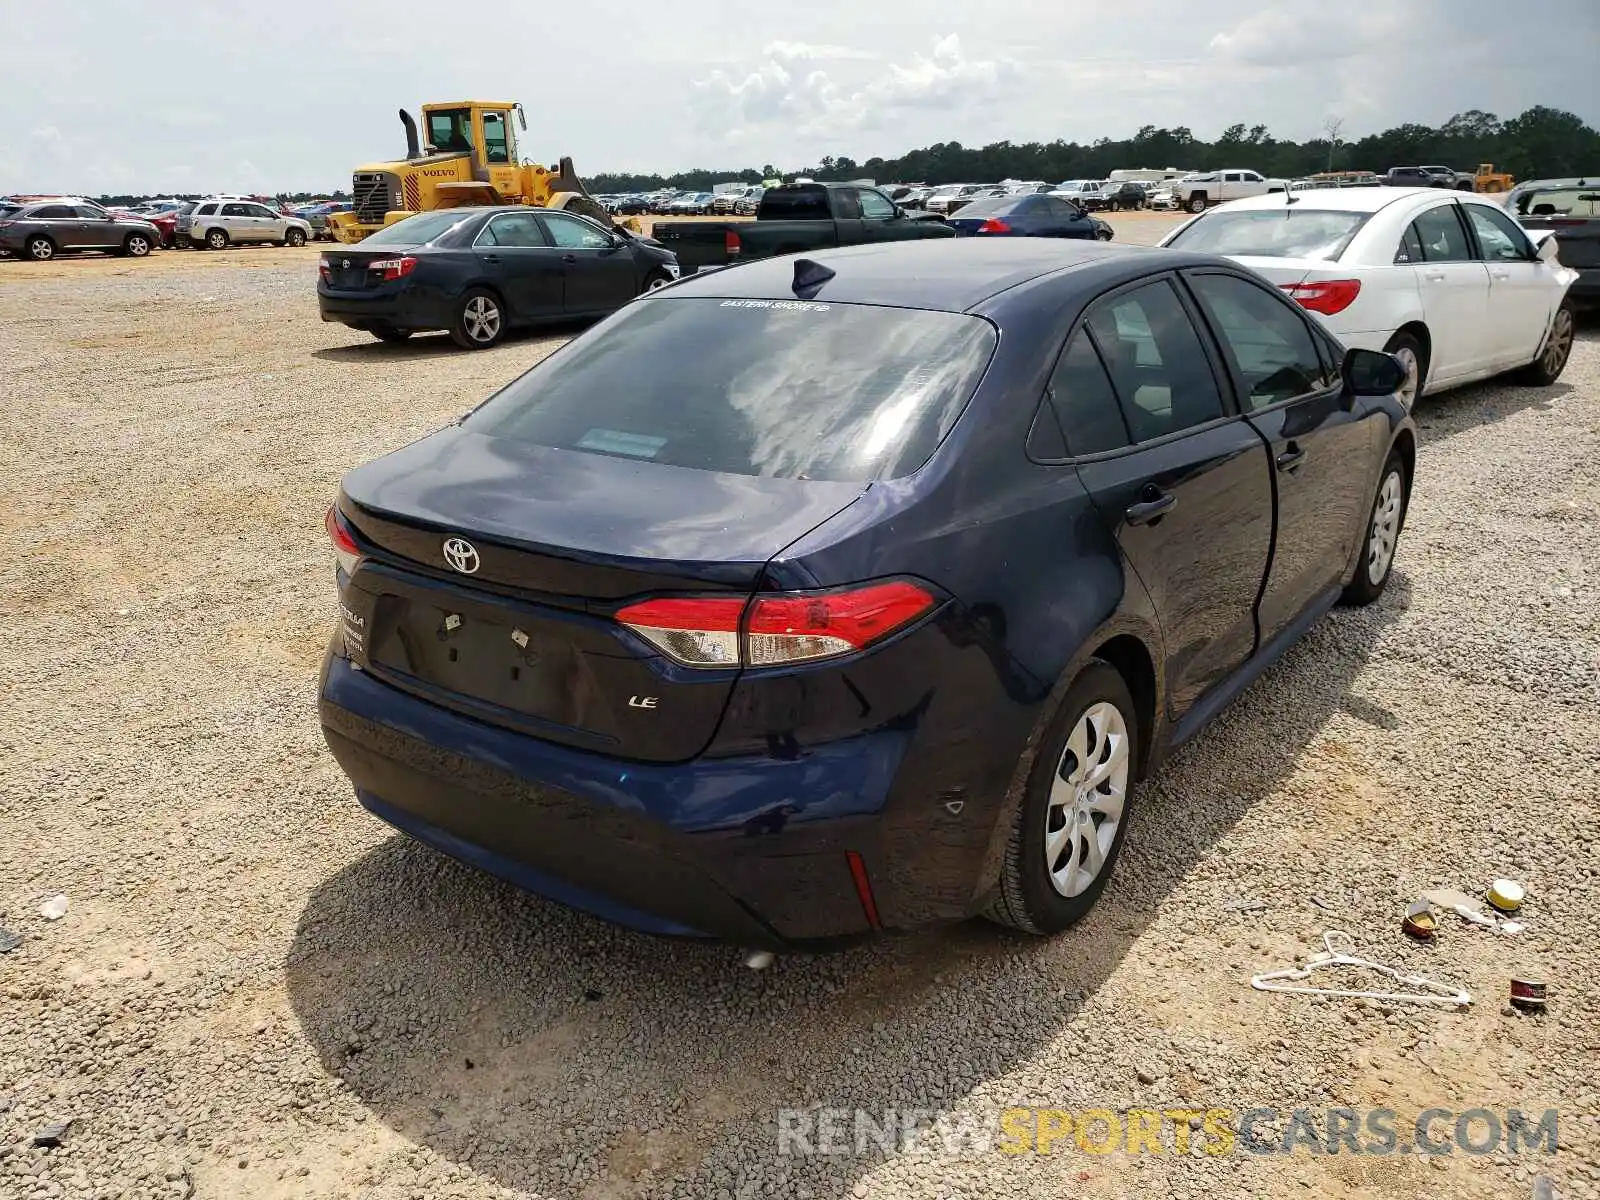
[{"x": 1539, "y": 143}]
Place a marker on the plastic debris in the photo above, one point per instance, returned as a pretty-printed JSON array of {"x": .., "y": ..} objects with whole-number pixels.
[
  {"x": 1506, "y": 894},
  {"x": 760, "y": 960},
  {"x": 9, "y": 941},
  {"x": 1468, "y": 909},
  {"x": 1339, "y": 954},
  {"x": 54, "y": 908}
]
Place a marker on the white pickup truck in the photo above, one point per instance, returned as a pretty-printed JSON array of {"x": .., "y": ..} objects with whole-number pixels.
[{"x": 1196, "y": 192}]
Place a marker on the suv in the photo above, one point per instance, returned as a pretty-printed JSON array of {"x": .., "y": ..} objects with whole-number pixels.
[
  {"x": 41, "y": 231},
  {"x": 216, "y": 224}
]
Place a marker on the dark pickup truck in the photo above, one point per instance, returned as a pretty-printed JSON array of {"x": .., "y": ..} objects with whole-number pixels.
[{"x": 794, "y": 218}]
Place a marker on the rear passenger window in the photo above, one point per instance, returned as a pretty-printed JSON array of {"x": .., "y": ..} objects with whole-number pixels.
[
  {"x": 1153, "y": 354},
  {"x": 1085, "y": 404},
  {"x": 1270, "y": 344},
  {"x": 1442, "y": 236}
]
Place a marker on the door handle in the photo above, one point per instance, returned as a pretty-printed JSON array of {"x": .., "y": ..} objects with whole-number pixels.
[
  {"x": 1500, "y": 274},
  {"x": 491, "y": 258},
  {"x": 1291, "y": 458},
  {"x": 569, "y": 258},
  {"x": 1433, "y": 276},
  {"x": 1152, "y": 509}
]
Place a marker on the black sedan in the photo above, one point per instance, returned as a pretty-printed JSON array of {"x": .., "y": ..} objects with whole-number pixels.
[
  {"x": 737, "y": 615},
  {"x": 478, "y": 272},
  {"x": 1027, "y": 215}
]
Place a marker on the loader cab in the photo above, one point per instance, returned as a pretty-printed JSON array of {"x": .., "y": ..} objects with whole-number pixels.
[{"x": 480, "y": 129}]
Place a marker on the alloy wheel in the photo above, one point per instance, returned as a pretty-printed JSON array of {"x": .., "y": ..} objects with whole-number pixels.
[
  {"x": 1087, "y": 799},
  {"x": 1385, "y": 527},
  {"x": 41, "y": 249},
  {"x": 1408, "y": 389},
  {"x": 482, "y": 319},
  {"x": 1559, "y": 345}
]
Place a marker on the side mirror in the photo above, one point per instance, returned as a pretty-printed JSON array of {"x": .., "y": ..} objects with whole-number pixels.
[
  {"x": 1372, "y": 373},
  {"x": 1547, "y": 249}
]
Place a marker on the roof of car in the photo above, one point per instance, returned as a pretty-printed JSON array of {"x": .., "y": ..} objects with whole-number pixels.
[
  {"x": 1354, "y": 199},
  {"x": 950, "y": 274}
]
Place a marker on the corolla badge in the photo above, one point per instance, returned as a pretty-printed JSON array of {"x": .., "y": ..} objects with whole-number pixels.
[{"x": 462, "y": 555}]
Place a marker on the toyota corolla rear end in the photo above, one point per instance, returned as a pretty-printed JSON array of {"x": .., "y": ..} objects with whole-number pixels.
[{"x": 574, "y": 652}]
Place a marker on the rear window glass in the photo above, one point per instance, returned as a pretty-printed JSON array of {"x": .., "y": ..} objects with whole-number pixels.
[
  {"x": 1286, "y": 232},
  {"x": 991, "y": 206},
  {"x": 794, "y": 204},
  {"x": 782, "y": 388},
  {"x": 1560, "y": 202},
  {"x": 417, "y": 230}
]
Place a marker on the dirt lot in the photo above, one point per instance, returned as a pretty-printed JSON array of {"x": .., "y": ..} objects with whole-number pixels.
[{"x": 257, "y": 990}]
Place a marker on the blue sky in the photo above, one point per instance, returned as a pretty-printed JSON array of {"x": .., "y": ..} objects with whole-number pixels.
[{"x": 130, "y": 96}]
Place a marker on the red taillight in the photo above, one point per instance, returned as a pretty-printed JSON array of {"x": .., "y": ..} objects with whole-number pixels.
[
  {"x": 994, "y": 225},
  {"x": 325, "y": 269},
  {"x": 393, "y": 268},
  {"x": 775, "y": 628},
  {"x": 730, "y": 240},
  {"x": 344, "y": 546},
  {"x": 1326, "y": 296}
]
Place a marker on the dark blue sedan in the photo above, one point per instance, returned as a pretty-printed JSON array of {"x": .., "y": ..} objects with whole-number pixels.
[
  {"x": 815, "y": 597},
  {"x": 1030, "y": 215}
]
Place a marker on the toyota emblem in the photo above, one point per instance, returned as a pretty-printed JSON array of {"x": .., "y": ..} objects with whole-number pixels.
[
  {"x": 462, "y": 555},
  {"x": 344, "y": 262}
]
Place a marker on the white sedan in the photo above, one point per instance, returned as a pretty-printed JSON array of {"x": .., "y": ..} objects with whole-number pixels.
[{"x": 1445, "y": 281}]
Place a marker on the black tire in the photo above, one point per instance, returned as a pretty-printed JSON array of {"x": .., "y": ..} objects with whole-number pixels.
[
  {"x": 1374, "y": 569},
  {"x": 1197, "y": 203},
  {"x": 1026, "y": 898},
  {"x": 136, "y": 245},
  {"x": 1556, "y": 351},
  {"x": 295, "y": 237},
  {"x": 40, "y": 248},
  {"x": 654, "y": 281},
  {"x": 1403, "y": 346},
  {"x": 217, "y": 239},
  {"x": 479, "y": 320},
  {"x": 388, "y": 333}
]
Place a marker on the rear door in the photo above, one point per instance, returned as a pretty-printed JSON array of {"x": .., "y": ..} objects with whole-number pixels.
[
  {"x": 513, "y": 251},
  {"x": 95, "y": 228},
  {"x": 1321, "y": 445},
  {"x": 1183, "y": 480},
  {"x": 1521, "y": 292},
  {"x": 598, "y": 270},
  {"x": 1454, "y": 287},
  {"x": 241, "y": 226}
]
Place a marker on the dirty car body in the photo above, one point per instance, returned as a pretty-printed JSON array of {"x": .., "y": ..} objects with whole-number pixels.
[{"x": 753, "y": 647}]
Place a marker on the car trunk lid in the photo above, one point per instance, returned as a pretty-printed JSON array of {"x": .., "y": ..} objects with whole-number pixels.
[
  {"x": 514, "y": 622},
  {"x": 353, "y": 270}
]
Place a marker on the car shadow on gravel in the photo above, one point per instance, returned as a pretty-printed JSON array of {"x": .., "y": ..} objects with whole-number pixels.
[
  {"x": 435, "y": 345},
  {"x": 537, "y": 1046}
]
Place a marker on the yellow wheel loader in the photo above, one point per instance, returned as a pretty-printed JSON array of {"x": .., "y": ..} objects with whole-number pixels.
[{"x": 467, "y": 155}]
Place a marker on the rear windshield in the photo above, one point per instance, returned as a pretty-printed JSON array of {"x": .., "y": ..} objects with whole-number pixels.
[
  {"x": 782, "y": 388},
  {"x": 1560, "y": 202},
  {"x": 990, "y": 206},
  {"x": 1287, "y": 232},
  {"x": 794, "y": 204},
  {"x": 418, "y": 230}
]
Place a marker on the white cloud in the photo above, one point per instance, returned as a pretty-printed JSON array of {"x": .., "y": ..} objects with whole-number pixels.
[{"x": 785, "y": 91}]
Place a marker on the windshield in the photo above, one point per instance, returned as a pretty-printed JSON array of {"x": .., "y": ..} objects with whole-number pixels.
[
  {"x": 1271, "y": 233},
  {"x": 782, "y": 388},
  {"x": 1071, "y": 185},
  {"x": 418, "y": 230}
]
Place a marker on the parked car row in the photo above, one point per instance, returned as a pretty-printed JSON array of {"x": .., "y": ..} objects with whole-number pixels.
[{"x": 42, "y": 231}]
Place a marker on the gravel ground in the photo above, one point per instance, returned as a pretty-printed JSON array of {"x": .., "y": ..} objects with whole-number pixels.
[{"x": 258, "y": 991}]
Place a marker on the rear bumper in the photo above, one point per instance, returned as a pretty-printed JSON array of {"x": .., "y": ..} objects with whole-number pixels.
[
  {"x": 748, "y": 850},
  {"x": 404, "y": 309}
]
